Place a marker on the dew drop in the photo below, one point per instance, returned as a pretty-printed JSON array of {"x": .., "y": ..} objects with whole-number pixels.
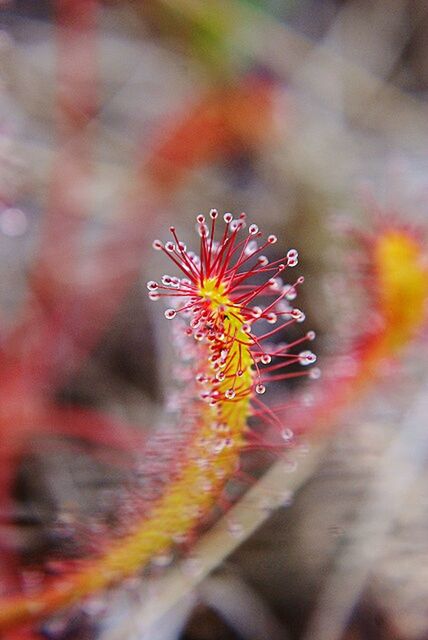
[
  {"x": 286, "y": 499},
  {"x": 170, "y": 314},
  {"x": 162, "y": 560},
  {"x": 272, "y": 239},
  {"x": 291, "y": 293},
  {"x": 220, "y": 427},
  {"x": 253, "y": 229},
  {"x": 230, "y": 394},
  {"x": 298, "y": 315},
  {"x": 260, "y": 389},
  {"x": 315, "y": 373},
  {"x": 266, "y": 358},
  {"x": 308, "y": 400},
  {"x": 307, "y": 357},
  {"x": 235, "y": 529},
  {"x": 271, "y": 317},
  {"x": 157, "y": 245},
  {"x": 200, "y": 219},
  {"x": 311, "y": 335},
  {"x": 250, "y": 248},
  {"x": 213, "y": 214},
  {"x": 275, "y": 284},
  {"x": 169, "y": 246},
  {"x": 263, "y": 261},
  {"x": 228, "y": 217},
  {"x": 203, "y": 231},
  {"x": 287, "y": 434},
  {"x": 219, "y": 446},
  {"x": 152, "y": 285}
]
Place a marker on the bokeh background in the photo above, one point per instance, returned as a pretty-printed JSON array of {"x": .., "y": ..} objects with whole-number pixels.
[{"x": 119, "y": 118}]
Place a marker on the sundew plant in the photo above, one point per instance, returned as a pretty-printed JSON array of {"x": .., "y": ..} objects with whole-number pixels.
[{"x": 229, "y": 304}]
